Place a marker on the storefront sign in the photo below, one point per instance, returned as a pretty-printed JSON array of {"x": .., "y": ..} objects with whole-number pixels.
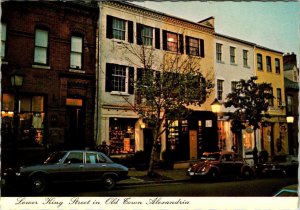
[{"x": 73, "y": 102}]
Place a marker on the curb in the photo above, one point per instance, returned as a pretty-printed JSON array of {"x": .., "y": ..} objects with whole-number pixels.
[{"x": 152, "y": 182}]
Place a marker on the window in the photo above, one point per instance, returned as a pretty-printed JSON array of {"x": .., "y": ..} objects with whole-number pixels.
[
  {"x": 74, "y": 157},
  {"x": 295, "y": 76},
  {"x": 271, "y": 100},
  {"x": 3, "y": 40},
  {"x": 194, "y": 46},
  {"x": 219, "y": 52},
  {"x": 245, "y": 58},
  {"x": 289, "y": 104},
  {"x": 76, "y": 52},
  {"x": 94, "y": 158},
  {"x": 232, "y": 54},
  {"x": 259, "y": 62},
  {"x": 279, "y": 99},
  {"x": 172, "y": 42},
  {"x": 220, "y": 89},
  {"x": 119, "y": 78},
  {"x": 144, "y": 35},
  {"x": 269, "y": 65},
  {"x": 41, "y": 47},
  {"x": 233, "y": 86},
  {"x": 116, "y": 29},
  {"x": 277, "y": 65}
]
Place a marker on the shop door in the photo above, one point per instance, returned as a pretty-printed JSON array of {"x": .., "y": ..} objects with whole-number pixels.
[
  {"x": 193, "y": 144},
  {"x": 75, "y": 127}
]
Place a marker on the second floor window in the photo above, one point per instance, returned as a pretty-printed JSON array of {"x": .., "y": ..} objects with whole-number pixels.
[
  {"x": 279, "y": 99},
  {"x": 3, "y": 40},
  {"x": 271, "y": 100},
  {"x": 259, "y": 62},
  {"x": 194, "y": 46},
  {"x": 144, "y": 35},
  {"x": 172, "y": 42},
  {"x": 220, "y": 89},
  {"x": 269, "y": 65},
  {"x": 41, "y": 47},
  {"x": 232, "y": 54},
  {"x": 76, "y": 52},
  {"x": 289, "y": 105},
  {"x": 245, "y": 58},
  {"x": 219, "y": 52},
  {"x": 277, "y": 65},
  {"x": 119, "y": 78},
  {"x": 116, "y": 29}
]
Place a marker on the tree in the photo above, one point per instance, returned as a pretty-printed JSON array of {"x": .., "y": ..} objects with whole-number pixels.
[
  {"x": 251, "y": 101},
  {"x": 166, "y": 88}
]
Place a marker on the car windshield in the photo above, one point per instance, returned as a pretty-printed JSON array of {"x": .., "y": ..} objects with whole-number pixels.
[
  {"x": 212, "y": 156},
  {"x": 55, "y": 157}
]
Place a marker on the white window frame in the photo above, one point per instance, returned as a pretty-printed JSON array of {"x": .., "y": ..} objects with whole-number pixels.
[
  {"x": 41, "y": 46},
  {"x": 245, "y": 58},
  {"x": 147, "y": 35},
  {"x": 116, "y": 78},
  {"x": 119, "y": 28},
  {"x": 3, "y": 40},
  {"x": 76, "y": 52},
  {"x": 232, "y": 55},
  {"x": 219, "y": 52},
  {"x": 220, "y": 88},
  {"x": 172, "y": 42},
  {"x": 194, "y": 45}
]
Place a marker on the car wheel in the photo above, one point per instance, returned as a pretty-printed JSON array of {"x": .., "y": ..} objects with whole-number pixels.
[
  {"x": 247, "y": 173},
  {"x": 38, "y": 184},
  {"x": 214, "y": 174},
  {"x": 109, "y": 182}
]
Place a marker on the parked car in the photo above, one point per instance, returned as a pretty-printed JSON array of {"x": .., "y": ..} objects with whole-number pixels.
[
  {"x": 68, "y": 166},
  {"x": 288, "y": 191},
  {"x": 284, "y": 165},
  {"x": 220, "y": 164}
]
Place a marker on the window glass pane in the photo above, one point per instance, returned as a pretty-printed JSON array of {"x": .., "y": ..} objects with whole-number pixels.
[
  {"x": 40, "y": 55},
  {"x": 25, "y": 104},
  {"x": 37, "y": 103},
  {"x": 76, "y": 44},
  {"x": 118, "y": 29},
  {"x": 75, "y": 157},
  {"x": 194, "y": 46},
  {"x": 75, "y": 60},
  {"x": 119, "y": 78},
  {"x": 147, "y": 35},
  {"x": 7, "y": 102},
  {"x": 41, "y": 38},
  {"x": 3, "y": 32},
  {"x": 172, "y": 42},
  {"x": 2, "y": 49}
]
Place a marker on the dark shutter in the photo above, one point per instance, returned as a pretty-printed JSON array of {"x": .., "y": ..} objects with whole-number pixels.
[
  {"x": 109, "y": 33},
  {"x": 131, "y": 80},
  {"x": 202, "y": 48},
  {"x": 164, "y": 40},
  {"x": 181, "y": 45},
  {"x": 130, "y": 31},
  {"x": 108, "y": 77},
  {"x": 139, "y": 39},
  {"x": 187, "y": 44},
  {"x": 157, "y": 38}
]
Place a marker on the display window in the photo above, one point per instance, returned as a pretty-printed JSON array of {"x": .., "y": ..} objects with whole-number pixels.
[
  {"x": 122, "y": 135},
  {"x": 31, "y": 119}
]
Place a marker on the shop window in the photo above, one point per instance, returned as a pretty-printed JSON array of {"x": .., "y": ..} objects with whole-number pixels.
[
  {"x": 173, "y": 136},
  {"x": 121, "y": 135}
]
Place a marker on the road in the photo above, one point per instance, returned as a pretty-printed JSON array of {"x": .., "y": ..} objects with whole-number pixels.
[{"x": 255, "y": 187}]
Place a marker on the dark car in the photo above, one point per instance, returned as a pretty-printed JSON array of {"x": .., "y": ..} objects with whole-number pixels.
[
  {"x": 68, "y": 166},
  {"x": 221, "y": 164},
  {"x": 288, "y": 191},
  {"x": 280, "y": 165}
]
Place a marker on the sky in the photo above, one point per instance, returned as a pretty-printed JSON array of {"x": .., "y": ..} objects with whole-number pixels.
[{"x": 274, "y": 25}]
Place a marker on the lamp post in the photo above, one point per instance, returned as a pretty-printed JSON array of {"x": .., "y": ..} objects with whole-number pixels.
[
  {"x": 216, "y": 108},
  {"x": 290, "y": 121},
  {"x": 16, "y": 79}
]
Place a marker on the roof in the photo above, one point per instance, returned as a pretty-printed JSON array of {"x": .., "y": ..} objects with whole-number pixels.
[
  {"x": 288, "y": 66},
  {"x": 265, "y": 48},
  {"x": 235, "y": 39},
  {"x": 290, "y": 84}
]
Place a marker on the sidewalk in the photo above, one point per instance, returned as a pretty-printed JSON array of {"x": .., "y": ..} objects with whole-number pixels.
[{"x": 162, "y": 175}]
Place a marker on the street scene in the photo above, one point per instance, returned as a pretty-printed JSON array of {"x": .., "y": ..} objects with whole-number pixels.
[{"x": 115, "y": 98}]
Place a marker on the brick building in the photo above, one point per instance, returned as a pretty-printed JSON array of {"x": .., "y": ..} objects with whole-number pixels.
[{"x": 54, "y": 45}]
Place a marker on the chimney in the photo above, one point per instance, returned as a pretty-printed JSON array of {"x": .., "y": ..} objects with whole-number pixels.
[{"x": 290, "y": 58}]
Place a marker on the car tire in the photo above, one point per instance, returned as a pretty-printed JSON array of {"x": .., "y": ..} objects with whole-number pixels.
[
  {"x": 109, "y": 182},
  {"x": 38, "y": 184},
  {"x": 213, "y": 174}
]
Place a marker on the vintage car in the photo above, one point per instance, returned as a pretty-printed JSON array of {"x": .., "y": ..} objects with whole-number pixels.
[
  {"x": 220, "y": 164},
  {"x": 280, "y": 165},
  {"x": 68, "y": 166}
]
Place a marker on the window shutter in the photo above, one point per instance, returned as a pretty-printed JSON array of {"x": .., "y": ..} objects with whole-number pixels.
[
  {"x": 130, "y": 31},
  {"x": 157, "y": 38},
  {"x": 202, "y": 48},
  {"x": 187, "y": 45},
  {"x": 164, "y": 40},
  {"x": 181, "y": 45},
  {"x": 131, "y": 80},
  {"x": 109, "y": 33},
  {"x": 139, "y": 40},
  {"x": 108, "y": 77}
]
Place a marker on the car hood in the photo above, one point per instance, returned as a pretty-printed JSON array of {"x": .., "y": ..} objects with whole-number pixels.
[{"x": 198, "y": 166}]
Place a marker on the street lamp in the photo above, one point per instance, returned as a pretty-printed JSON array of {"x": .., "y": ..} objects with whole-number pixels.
[
  {"x": 16, "y": 78},
  {"x": 216, "y": 108},
  {"x": 290, "y": 119}
]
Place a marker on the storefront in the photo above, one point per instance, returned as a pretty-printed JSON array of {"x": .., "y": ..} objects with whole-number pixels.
[{"x": 31, "y": 119}]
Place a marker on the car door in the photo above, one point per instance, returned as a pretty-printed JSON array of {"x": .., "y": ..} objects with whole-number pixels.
[
  {"x": 95, "y": 166},
  {"x": 226, "y": 164},
  {"x": 72, "y": 168}
]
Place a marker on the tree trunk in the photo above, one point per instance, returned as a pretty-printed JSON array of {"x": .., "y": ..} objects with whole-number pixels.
[
  {"x": 255, "y": 151},
  {"x": 151, "y": 163}
]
